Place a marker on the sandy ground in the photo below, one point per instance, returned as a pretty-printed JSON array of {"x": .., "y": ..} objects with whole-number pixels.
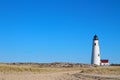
[{"x": 68, "y": 75}]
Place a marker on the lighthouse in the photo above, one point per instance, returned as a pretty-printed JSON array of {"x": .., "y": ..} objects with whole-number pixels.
[{"x": 95, "y": 59}]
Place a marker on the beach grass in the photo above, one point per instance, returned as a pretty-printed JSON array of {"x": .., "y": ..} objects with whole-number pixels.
[
  {"x": 103, "y": 70},
  {"x": 37, "y": 69}
]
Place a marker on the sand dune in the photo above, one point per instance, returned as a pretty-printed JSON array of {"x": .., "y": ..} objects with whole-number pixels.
[
  {"x": 56, "y": 76},
  {"x": 35, "y": 72}
]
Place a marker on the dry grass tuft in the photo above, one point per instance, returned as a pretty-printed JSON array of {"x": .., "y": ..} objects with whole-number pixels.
[
  {"x": 103, "y": 70},
  {"x": 37, "y": 68},
  {"x": 31, "y": 68}
]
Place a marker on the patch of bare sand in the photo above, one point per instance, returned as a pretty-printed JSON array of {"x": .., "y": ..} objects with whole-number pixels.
[
  {"x": 88, "y": 76},
  {"x": 36, "y": 76},
  {"x": 68, "y": 75}
]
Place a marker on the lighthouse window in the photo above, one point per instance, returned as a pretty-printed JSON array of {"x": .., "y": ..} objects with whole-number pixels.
[{"x": 95, "y": 44}]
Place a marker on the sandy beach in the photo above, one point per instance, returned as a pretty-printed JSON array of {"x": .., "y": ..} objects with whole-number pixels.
[
  {"x": 56, "y": 72},
  {"x": 57, "y": 76}
]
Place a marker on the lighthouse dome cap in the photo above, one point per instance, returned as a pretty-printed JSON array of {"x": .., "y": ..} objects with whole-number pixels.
[{"x": 95, "y": 37}]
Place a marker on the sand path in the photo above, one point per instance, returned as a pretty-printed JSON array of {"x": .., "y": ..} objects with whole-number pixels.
[{"x": 68, "y": 75}]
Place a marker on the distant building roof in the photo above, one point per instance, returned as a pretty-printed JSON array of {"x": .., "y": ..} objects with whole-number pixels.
[{"x": 104, "y": 61}]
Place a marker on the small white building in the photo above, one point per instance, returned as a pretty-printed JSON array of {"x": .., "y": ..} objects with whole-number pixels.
[{"x": 104, "y": 62}]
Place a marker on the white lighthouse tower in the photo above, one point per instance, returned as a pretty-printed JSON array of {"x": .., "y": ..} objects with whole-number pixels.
[{"x": 95, "y": 51}]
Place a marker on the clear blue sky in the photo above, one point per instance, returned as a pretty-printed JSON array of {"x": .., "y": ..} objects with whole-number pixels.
[{"x": 58, "y": 30}]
